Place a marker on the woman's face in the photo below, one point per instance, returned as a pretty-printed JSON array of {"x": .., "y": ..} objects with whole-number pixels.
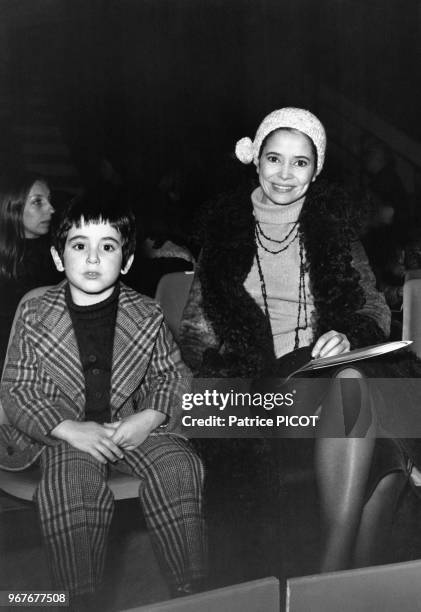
[
  {"x": 37, "y": 211},
  {"x": 286, "y": 167}
]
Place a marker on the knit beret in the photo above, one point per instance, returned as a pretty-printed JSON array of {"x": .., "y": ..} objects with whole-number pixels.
[{"x": 300, "y": 119}]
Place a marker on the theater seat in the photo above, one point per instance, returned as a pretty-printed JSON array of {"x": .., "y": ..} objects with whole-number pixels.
[
  {"x": 412, "y": 310},
  {"x": 172, "y": 293},
  {"x": 411, "y": 327},
  {"x": 255, "y": 596}
]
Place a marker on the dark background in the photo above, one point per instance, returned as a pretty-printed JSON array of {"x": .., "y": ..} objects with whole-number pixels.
[{"x": 151, "y": 85}]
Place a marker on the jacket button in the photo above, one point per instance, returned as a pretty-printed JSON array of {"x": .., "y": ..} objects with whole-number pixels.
[{"x": 92, "y": 358}]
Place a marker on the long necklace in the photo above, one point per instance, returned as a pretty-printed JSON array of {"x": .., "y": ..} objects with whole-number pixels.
[
  {"x": 259, "y": 233},
  {"x": 294, "y": 226},
  {"x": 302, "y": 298}
]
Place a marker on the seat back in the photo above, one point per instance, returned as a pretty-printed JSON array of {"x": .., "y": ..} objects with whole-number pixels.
[
  {"x": 37, "y": 292},
  {"x": 383, "y": 587},
  {"x": 172, "y": 293},
  {"x": 257, "y": 595},
  {"x": 412, "y": 310}
]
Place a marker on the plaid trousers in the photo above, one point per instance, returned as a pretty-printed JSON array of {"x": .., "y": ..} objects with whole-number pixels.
[{"x": 76, "y": 506}]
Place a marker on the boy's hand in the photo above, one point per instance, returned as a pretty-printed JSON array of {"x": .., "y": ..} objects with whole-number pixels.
[
  {"x": 130, "y": 432},
  {"x": 89, "y": 437}
]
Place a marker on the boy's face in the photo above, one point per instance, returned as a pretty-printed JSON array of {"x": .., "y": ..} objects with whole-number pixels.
[{"x": 92, "y": 261}]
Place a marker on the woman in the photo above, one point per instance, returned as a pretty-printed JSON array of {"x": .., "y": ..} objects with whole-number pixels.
[
  {"x": 25, "y": 260},
  {"x": 280, "y": 269}
]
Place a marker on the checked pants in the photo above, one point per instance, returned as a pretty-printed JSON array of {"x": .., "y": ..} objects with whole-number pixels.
[{"x": 76, "y": 506}]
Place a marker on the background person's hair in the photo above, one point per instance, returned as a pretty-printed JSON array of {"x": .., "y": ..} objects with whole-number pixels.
[
  {"x": 14, "y": 190},
  {"x": 97, "y": 205}
]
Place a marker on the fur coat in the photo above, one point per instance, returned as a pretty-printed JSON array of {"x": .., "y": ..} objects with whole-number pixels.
[{"x": 225, "y": 333}]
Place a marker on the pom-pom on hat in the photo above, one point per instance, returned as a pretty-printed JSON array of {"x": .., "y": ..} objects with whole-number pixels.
[{"x": 300, "y": 119}]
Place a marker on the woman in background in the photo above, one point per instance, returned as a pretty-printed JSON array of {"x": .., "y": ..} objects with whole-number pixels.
[{"x": 25, "y": 260}]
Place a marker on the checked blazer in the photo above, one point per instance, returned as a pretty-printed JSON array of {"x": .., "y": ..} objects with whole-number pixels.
[{"x": 43, "y": 382}]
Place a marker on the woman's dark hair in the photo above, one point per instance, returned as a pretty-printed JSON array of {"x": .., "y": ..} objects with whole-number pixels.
[
  {"x": 293, "y": 131},
  {"x": 14, "y": 191},
  {"x": 97, "y": 205}
]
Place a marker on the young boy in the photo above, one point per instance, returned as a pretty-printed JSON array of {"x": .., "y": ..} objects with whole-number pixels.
[{"x": 93, "y": 380}]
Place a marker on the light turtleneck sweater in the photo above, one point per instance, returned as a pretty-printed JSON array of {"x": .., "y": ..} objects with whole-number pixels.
[{"x": 281, "y": 274}]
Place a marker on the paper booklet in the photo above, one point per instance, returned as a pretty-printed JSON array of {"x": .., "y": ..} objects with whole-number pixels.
[{"x": 376, "y": 350}]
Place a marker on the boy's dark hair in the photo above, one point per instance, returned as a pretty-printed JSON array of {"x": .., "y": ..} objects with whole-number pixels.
[{"x": 97, "y": 206}]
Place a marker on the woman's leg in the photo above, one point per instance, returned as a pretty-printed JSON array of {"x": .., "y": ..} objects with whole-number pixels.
[
  {"x": 342, "y": 466},
  {"x": 373, "y": 541}
]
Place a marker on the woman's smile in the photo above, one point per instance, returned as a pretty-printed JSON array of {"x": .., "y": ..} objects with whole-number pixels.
[{"x": 282, "y": 188}]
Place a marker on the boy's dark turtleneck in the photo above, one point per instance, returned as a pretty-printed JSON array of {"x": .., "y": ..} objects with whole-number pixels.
[{"x": 94, "y": 327}]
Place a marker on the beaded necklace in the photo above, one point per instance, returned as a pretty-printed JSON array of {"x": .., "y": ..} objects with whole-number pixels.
[
  {"x": 259, "y": 233},
  {"x": 302, "y": 298}
]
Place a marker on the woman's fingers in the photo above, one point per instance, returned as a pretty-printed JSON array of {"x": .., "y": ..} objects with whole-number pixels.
[
  {"x": 318, "y": 347},
  {"x": 329, "y": 344},
  {"x": 334, "y": 346}
]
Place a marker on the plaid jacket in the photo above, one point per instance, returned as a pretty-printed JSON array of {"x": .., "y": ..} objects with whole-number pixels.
[{"x": 43, "y": 381}]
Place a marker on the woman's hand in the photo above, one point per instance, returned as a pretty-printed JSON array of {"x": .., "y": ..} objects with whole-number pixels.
[
  {"x": 329, "y": 344},
  {"x": 89, "y": 437},
  {"x": 130, "y": 432}
]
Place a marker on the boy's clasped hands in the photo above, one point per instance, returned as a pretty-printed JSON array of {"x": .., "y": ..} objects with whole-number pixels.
[{"x": 108, "y": 442}]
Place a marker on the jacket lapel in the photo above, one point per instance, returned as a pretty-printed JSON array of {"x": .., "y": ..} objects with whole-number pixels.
[
  {"x": 134, "y": 338},
  {"x": 61, "y": 361}
]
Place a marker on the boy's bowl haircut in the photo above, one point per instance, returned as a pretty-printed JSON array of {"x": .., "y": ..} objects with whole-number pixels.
[{"x": 97, "y": 206}]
